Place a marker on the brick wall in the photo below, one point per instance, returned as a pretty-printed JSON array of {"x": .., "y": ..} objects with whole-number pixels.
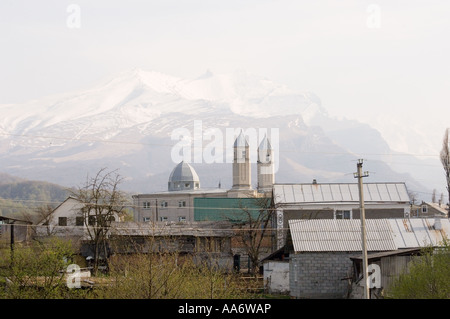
[{"x": 319, "y": 274}]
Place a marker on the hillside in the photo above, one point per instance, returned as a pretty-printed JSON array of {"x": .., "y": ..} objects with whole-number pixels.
[{"x": 19, "y": 196}]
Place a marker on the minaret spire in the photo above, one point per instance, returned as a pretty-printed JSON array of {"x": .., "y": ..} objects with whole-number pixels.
[
  {"x": 241, "y": 163},
  {"x": 266, "y": 176}
]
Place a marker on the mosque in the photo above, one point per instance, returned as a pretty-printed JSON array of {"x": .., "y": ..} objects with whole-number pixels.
[{"x": 184, "y": 193}]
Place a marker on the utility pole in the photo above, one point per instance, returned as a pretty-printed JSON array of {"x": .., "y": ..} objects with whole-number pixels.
[
  {"x": 12, "y": 243},
  {"x": 360, "y": 176}
]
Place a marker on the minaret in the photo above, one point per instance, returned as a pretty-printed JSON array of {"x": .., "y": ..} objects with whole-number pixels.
[
  {"x": 265, "y": 166},
  {"x": 241, "y": 164}
]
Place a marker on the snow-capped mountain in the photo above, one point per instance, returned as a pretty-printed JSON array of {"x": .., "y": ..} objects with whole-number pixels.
[{"x": 127, "y": 122}]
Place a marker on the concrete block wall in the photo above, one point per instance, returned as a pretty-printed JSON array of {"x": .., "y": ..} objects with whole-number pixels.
[{"x": 319, "y": 274}]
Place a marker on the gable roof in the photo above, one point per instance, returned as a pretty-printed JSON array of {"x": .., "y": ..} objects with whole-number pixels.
[
  {"x": 44, "y": 219},
  {"x": 339, "y": 192},
  {"x": 440, "y": 208}
]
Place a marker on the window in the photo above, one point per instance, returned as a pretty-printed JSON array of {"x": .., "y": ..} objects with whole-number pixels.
[
  {"x": 146, "y": 219},
  {"x": 424, "y": 209},
  {"x": 79, "y": 221},
  {"x": 146, "y": 205},
  {"x": 182, "y": 203},
  {"x": 164, "y": 204},
  {"x": 187, "y": 185},
  {"x": 197, "y": 185},
  {"x": 163, "y": 219},
  {"x": 181, "y": 218},
  {"x": 62, "y": 221},
  {"x": 342, "y": 214},
  {"x": 91, "y": 220}
]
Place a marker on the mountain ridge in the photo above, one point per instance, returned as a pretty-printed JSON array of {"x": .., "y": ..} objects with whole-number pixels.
[{"x": 127, "y": 123}]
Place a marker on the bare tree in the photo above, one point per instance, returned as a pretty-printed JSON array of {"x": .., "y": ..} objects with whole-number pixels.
[
  {"x": 445, "y": 159},
  {"x": 41, "y": 215},
  {"x": 102, "y": 203},
  {"x": 253, "y": 228},
  {"x": 412, "y": 197}
]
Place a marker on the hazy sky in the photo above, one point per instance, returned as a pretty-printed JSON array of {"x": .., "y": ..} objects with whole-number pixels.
[{"x": 362, "y": 58}]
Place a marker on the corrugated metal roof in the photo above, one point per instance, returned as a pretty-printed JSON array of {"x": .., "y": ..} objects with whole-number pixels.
[
  {"x": 419, "y": 232},
  {"x": 345, "y": 192},
  {"x": 382, "y": 234},
  {"x": 340, "y": 235},
  {"x": 196, "y": 229}
]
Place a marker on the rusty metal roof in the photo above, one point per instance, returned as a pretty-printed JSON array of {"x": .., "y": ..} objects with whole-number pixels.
[
  {"x": 419, "y": 232},
  {"x": 382, "y": 234},
  {"x": 340, "y": 192}
]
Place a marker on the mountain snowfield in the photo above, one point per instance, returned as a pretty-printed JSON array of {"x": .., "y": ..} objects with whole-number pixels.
[{"x": 126, "y": 122}]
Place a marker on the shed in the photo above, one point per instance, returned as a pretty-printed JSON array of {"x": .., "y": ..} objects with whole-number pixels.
[
  {"x": 276, "y": 271},
  {"x": 321, "y": 264},
  {"x": 391, "y": 263},
  {"x": 13, "y": 230}
]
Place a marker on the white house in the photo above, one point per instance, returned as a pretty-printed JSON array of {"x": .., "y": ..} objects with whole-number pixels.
[{"x": 68, "y": 220}]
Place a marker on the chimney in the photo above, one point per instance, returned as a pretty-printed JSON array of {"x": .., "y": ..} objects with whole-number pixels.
[
  {"x": 314, "y": 181},
  {"x": 437, "y": 224}
]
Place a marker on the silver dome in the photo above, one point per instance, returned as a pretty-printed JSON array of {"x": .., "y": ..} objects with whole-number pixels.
[{"x": 183, "y": 177}]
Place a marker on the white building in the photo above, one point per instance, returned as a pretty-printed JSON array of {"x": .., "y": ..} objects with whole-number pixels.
[{"x": 67, "y": 219}]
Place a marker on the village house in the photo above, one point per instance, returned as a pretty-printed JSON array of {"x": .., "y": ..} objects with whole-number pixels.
[
  {"x": 337, "y": 201},
  {"x": 427, "y": 209},
  {"x": 321, "y": 264},
  {"x": 68, "y": 221},
  {"x": 207, "y": 243}
]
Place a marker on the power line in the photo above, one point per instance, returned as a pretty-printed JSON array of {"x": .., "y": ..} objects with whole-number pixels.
[{"x": 192, "y": 145}]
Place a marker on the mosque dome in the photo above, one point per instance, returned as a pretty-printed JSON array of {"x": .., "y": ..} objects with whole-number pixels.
[{"x": 183, "y": 177}]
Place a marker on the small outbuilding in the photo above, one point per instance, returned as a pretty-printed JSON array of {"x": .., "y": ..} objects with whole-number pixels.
[
  {"x": 323, "y": 261},
  {"x": 276, "y": 272}
]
